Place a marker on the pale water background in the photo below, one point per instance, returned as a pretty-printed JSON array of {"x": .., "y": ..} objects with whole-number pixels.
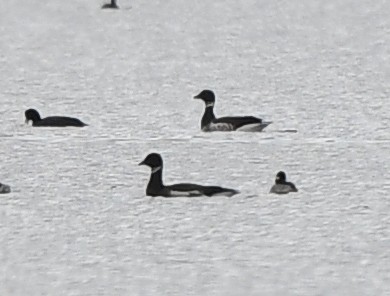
[{"x": 78, "y": 221}]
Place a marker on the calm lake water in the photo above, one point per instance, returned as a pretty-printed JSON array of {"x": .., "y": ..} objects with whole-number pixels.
[{"x": 78, "y": 222}]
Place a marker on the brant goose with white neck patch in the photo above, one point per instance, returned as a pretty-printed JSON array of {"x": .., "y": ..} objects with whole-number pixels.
[
  {"x": 157, "y": 188},
  {"x": 281, "y": 186},
  {"x": 111, "y": 5},
  {"x": 58, "y": 121},
  {"x": 210, "y": 123},
  {"x": 5, "y": 188}
]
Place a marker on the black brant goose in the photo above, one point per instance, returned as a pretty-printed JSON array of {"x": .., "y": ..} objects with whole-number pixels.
[
  {"x": 157, "y": 188},
  {"x": 281, "y": 186},
  {"x": 59, "y": 121},
  {"x": 111, "y": 5},
  {"x": 210, "y": 123},
  {"x": 5, "y": 188}
]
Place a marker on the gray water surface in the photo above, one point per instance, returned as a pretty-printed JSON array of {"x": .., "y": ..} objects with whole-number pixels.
[{"x": 78, "y": 222}]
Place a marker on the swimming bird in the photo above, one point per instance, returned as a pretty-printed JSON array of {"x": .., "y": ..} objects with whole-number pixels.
[
  {"x": 5, "y": 188},
  {"x": 210, "y": 123},
  {"x": 111, "y": 5},
  {"x": 157, "y": 188},
  {"x": 281, "y": 186},
  {"x": 59, "y": 121}
]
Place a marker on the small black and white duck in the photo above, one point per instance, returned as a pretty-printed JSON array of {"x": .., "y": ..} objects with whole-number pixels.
[{"x": 281, "y": 186}]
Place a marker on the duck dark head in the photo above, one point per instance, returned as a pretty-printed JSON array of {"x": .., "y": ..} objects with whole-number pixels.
[
  {"x": 280, "y": 178},
  {"x": 153, "y": 160},
  {"x": 206, "y": 96},
  {"x": 33, "y": 115}
]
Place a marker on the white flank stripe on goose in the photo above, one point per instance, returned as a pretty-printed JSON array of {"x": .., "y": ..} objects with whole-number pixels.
[{"x": 185, "y": 193}]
